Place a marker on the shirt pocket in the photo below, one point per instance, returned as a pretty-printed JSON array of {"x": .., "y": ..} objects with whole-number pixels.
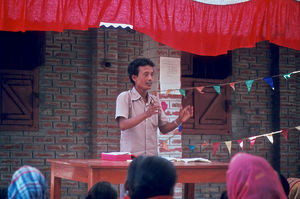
[{"x": 154, "y": 120}]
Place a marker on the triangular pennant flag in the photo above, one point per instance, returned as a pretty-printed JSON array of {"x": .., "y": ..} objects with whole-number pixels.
[
  {"x": 285, "y": 134},
  {"x": 204, "y": 144},
  {"x": 164, "y": 106},
  {"x": 287, "y": 76},
  {"x": 228, "y": 144},
  {"x": 241, "y": 143},
  {"x": 169, "y": 91},
  {"x": 217, "y": 88},
  {"x": 249, "y": 84},
  {"x": 298, "y": 128},
  {"x": 252, "y": 141},
  {"x": 232, "y": 85},
  {"x": 215, "y": 147},
  {"x": 155, "y": 93},
  {"x": 269, "y": 80},
  {"x": 182, "y": 91},
  {"x": 192, "y": 147},
  {"x": 164, "y": 145},
  {"x": 270, "y": 138},
  {"x": 200, "y": 88},
  {"x": 180, "y": 128}
]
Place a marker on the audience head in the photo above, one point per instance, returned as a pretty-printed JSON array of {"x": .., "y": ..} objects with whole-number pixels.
[
  {"x": 102, "y": 190},
  {"x": 294, "y": 184},
  {"x": 285, "y": 184},
  {"x": 28, "y": 183},
  {"x": 224, "y": 195},
  {"x": 250, "y": 176},
  {"x": 150, "y": 176}
]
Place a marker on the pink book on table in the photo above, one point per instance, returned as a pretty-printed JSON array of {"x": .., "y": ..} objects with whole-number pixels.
[{"x": 117, "y": 156}]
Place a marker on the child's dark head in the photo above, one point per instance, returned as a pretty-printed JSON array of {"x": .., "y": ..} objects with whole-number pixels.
[
  {"x": 102, "y": 190},
  {"x": 150, "y": 176}
]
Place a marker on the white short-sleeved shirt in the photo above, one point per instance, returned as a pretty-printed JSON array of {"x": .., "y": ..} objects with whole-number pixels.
[{"x": 141, "y": 139}]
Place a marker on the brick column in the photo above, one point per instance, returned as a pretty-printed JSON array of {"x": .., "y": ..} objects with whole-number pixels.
[{"x": 154, "y": 51}]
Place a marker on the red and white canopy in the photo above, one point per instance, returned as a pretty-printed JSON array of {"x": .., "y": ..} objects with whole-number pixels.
[{"x": 189, "y": 25}]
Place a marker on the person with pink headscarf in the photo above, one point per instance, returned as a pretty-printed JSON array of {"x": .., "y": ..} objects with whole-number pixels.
[{"x": 250, "y": 176}]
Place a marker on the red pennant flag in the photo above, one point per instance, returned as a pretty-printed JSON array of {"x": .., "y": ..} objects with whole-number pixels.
[
  {"x": 216, "y": 146},
  {"x": 204, "y": 144},
  {"x": 169, "y": 91},
  {"x": 200, "y": 88},
  {"x": 232, "y": 85},
  {"x": 252, "y": 141},
  {"x": 241, "y": 143},
  {"x": 285, "y": 134}
]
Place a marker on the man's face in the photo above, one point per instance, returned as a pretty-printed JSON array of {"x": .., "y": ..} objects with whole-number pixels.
[{"x": 144, "y": 79}]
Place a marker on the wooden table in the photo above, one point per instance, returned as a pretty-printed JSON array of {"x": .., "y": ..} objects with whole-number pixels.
[{"x": 92, "y": 171}]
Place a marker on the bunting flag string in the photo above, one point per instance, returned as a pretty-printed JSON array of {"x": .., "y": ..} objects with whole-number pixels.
[
  {"x": 252, "y": 140},
  {"x": 248, "y": 83}
]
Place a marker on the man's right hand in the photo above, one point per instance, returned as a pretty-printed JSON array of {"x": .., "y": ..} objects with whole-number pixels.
[{"x": 154, "y": 108}]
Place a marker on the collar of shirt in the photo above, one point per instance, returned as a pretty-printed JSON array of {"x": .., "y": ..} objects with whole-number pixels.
[{"x": 135, "y": 95}]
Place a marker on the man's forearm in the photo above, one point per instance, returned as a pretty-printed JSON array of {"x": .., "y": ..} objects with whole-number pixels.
[
  {"x": 125, "y": 124},
  {"x": 170, "y": 126}
]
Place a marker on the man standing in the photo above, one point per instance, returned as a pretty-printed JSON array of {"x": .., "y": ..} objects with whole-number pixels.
[{"x": 139, "y": 113}]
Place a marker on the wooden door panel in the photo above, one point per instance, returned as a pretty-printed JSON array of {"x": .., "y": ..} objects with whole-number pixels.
[
  {"x": 19, "y": 104},
  {"x": 212, "y": 113}
]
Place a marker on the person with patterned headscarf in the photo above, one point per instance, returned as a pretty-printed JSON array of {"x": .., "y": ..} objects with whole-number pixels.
[
  {"x": 28, "y": 183},
  {"x": 294, "y": 188},
  {"x": 250, "y": 176}
]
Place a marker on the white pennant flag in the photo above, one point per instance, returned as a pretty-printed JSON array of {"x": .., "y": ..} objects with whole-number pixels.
[
  {"x": 270, "y": 137},
  {"x": 228, "y": 144},
  {"x": 298, "y": 128},
  {"x": 241, "y": 143}
]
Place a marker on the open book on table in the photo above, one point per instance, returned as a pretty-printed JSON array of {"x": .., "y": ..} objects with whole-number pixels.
[{"x": 186, "y": 160}]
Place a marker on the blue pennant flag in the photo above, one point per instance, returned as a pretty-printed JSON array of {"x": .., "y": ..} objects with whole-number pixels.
[
  {"x": 180, "y": 128},
  {"x": 217, "y": 88},
  {"x": 249, "y": 84},
  {"x": 192, "y": 147},
  {"x": 287, "y": 76},
  {"x": 182, "y": 91},
  {"x": 269, "y": 80}
]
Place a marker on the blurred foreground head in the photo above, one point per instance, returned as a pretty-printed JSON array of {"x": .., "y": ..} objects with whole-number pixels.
[
  {"x": 28, "y": 183},
  {"x": 250, "y": 176},
  {"x": 150, "y": 176}
]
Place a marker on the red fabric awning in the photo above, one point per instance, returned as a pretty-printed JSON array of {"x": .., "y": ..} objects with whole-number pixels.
[{"x": 182, "y": 24}]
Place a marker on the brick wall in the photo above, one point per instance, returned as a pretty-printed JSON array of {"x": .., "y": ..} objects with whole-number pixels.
[
  {"x": 172, "y": 140},
  {"x": 251, "y": 114},
  {"x": 77, "y": 101}
]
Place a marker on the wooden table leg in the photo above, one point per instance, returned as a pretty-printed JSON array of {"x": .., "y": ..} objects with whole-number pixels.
[
  {"x": 189, "y": 191},
  {"x": 55, "y": 186}
]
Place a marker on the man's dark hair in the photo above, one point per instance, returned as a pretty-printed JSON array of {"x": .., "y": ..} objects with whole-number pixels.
[
  {"x": 150, "y": 176},
  {"x": 133, "y": 67},
  {"x": 102, "y": 190}
]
